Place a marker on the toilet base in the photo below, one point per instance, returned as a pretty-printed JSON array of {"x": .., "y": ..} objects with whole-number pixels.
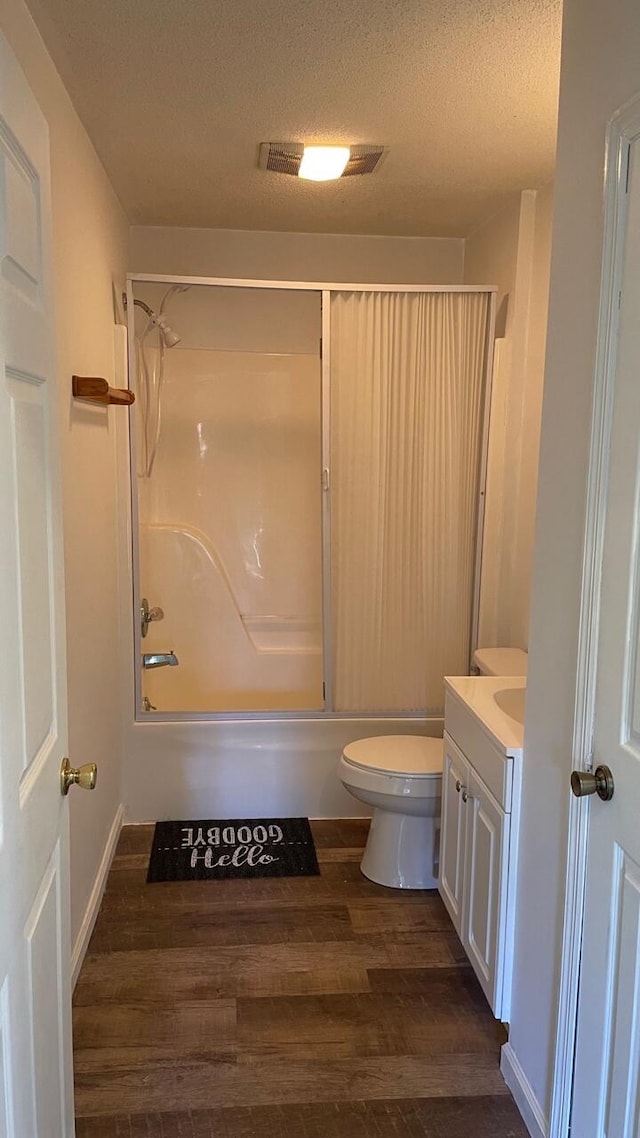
[{"x": 402, "y": 851}]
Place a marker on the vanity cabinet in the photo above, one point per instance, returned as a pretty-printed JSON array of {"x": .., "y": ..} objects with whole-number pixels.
[{"x": 480, "y": 811}]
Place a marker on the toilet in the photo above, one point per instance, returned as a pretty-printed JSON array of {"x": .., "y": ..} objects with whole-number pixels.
[
  {"x": 400, "y": 776},
  {"x": 499, "y": 662}
]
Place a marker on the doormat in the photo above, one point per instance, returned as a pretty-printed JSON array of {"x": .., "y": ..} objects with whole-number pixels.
[{"x": 232, "y": 847}]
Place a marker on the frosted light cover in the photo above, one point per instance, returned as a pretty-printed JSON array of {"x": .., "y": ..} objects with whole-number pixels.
[{"x": 323, "y": 163}]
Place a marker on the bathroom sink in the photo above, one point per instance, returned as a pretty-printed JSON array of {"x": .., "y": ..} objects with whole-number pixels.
[
  {"x": 511, "y": 701},
  {"x": 496, "y": 703}
]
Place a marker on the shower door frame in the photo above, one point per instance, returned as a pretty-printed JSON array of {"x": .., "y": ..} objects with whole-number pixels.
[{"x": 324, "y": 290}]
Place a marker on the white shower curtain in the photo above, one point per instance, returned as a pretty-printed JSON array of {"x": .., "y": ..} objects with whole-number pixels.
[{"x": 407, "y": 385}]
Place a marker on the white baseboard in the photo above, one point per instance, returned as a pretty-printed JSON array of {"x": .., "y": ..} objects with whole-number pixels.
[
  {"x": 93, "y": 905},
  {"x": 522, "y": 1091}
]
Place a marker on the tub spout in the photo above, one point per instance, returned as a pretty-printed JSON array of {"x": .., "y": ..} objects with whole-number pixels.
[{"x": 159, "y": 660}]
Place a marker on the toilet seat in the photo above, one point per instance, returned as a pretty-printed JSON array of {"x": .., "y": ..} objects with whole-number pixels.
[{"x": 408, "y": 756}]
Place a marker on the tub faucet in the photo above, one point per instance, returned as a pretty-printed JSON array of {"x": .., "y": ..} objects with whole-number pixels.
[{"x": 159, "y": 659}]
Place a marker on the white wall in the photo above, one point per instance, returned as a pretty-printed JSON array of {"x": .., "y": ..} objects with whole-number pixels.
[
  {"x": 493, "y": 248},
  {"x": 90, "y": 237},
  {"x": 527, "y": 430},
  {"x": 512, "y": 249},
  {"x": 297, "y": 256},
  {"x": 492, "y": 251},
  {"x": 601, "y": 48}
]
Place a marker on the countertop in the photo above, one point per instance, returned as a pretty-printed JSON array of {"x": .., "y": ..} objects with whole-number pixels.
[{"x": 497, "y": 703}]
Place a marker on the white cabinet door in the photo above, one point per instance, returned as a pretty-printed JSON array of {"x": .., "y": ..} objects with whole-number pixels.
[
  {"x": 485, "y": 888},
  {"x": 36, "y": 1091},
  {"x": 455, "y": 778}
]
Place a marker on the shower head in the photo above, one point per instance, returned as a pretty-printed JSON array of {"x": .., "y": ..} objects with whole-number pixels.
[{"x": 169, "y": 337}]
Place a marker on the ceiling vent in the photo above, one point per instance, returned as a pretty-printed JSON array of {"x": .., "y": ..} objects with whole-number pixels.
[{"x": 285, "y": 158}]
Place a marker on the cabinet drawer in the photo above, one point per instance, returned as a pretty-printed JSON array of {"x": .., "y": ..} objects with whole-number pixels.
[{"x": 494, "y": 769}]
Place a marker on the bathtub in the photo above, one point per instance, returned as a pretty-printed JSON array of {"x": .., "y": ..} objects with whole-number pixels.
[{"x": 247, "y": 767}]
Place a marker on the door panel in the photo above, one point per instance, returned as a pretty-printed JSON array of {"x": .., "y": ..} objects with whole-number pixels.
[
  {"x": 21, "y": 255},
  {"x": 605, "y": 1100},
  {"x": 4, "y": 1061},
  {"x": 30, "y": 457},
  {"x": 35, "y": 1053},
  {"x": 622, "y": 1049},
  {"x": 455, "y": 772},
  {"x": 46, "y": 983}
]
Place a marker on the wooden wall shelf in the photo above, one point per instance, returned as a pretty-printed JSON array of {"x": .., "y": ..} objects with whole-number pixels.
[{"x": 97, "y": 390}]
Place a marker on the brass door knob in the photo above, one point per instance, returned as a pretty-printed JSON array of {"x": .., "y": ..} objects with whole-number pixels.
[
  {"x": 599, "y": 781},
  {"x": 85, "y": 776}
]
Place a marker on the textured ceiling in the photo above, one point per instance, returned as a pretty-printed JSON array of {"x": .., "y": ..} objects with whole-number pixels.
[{"x": 177, "y": 95}]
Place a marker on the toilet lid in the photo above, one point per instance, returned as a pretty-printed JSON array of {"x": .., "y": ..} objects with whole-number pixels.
[{"x": 414, "y": 755}]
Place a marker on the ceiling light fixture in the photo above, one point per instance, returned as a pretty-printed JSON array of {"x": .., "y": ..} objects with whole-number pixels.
[
  {"x": 323, "y": 163},
  {"x": 289, "y": 158}
]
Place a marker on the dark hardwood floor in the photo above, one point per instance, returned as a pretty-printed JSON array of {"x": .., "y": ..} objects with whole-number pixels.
[{"x": 317, "y": 1007}]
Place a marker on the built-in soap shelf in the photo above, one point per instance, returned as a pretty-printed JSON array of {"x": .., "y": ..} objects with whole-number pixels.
[{"x": 285, "y": 634}]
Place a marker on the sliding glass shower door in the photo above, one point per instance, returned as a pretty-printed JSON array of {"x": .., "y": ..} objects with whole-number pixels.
[
  {"x": 297, "y": 573},
  {"x": 408, "y": 377},
  {"x": 229, "y": 508}
]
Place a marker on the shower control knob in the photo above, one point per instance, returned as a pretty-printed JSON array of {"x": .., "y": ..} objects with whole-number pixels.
[{"x": 147, "y": 615}]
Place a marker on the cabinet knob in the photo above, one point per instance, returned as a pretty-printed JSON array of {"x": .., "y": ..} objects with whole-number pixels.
[
  {"x": 458, "y": 785},
  {"x": 465, "y": 794}
]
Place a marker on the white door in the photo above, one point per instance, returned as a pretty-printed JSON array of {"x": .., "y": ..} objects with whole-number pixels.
[
  {"x": 606, "y": 1097},
  {"x": 35, "y": 1054}
]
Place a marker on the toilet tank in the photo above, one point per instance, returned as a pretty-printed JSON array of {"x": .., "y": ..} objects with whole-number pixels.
[{"x": 499, "y": 662}]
